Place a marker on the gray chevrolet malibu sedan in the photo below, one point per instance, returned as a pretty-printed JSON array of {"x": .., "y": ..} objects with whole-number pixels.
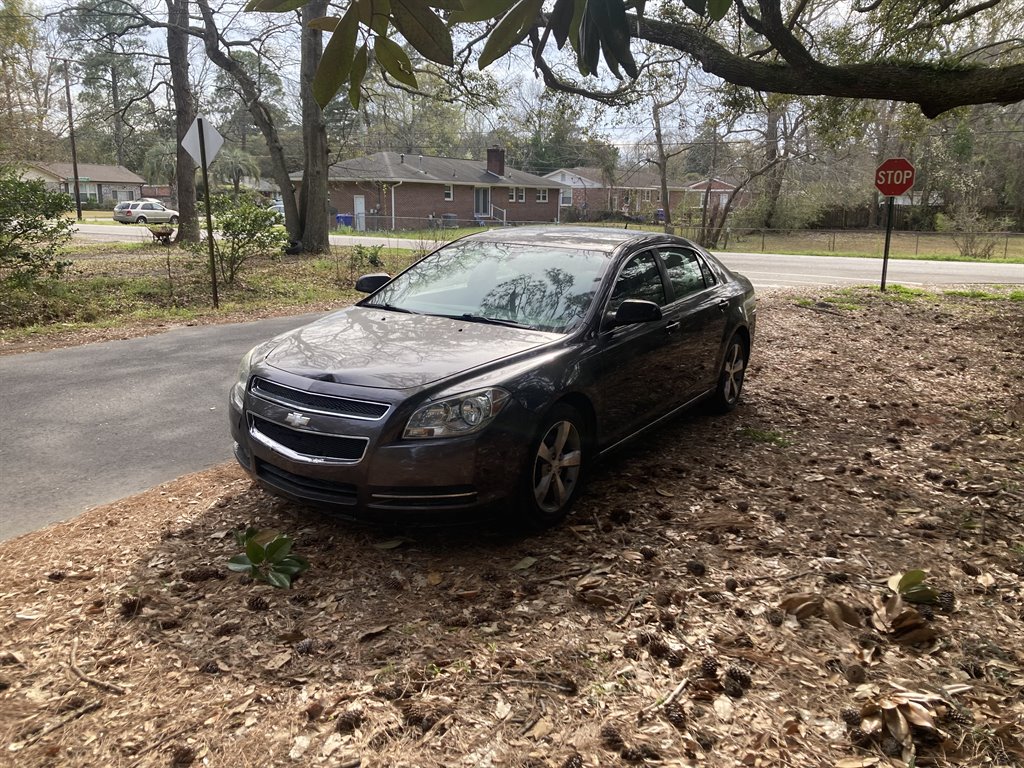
[{"x": 492, "y": 373}]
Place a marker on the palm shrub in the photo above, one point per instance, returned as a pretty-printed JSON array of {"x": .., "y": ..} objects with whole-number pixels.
[{"x": 33, "y": 229}]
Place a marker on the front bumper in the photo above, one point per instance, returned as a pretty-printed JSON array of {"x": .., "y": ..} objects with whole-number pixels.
[{"x": 374, "y": 474}]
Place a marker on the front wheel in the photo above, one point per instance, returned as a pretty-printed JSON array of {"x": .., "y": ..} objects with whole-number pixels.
[
  {"x": 730, "y": 377},
  {"x": 556, "y": 467}
]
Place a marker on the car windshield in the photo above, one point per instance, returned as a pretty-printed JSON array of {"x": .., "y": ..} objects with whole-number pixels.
[{"x": 539, "y": 287}]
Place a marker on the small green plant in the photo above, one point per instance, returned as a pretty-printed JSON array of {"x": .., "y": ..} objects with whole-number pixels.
[
  {"x": 364, "y": 257},
  {"x": 911, "y": 587},
  {"x": 764, "y": 436},
  {"x": 33, "y": 230},
  {"x": 267, "y": 558},
  {"x": 247, "y": 230}
]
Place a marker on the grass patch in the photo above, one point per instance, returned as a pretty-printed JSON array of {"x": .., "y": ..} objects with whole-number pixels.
[{"x": 764, "y": 436}]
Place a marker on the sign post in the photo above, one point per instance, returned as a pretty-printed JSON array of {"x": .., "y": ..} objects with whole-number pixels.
[
  {"x": 893, "y": 177},
  {"x": 203, "y": 142}
]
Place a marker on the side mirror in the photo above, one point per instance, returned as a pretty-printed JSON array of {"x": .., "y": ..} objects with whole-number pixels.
[
  {"x": 633, "y": 311},
  {"x": 370, "y": 283}
]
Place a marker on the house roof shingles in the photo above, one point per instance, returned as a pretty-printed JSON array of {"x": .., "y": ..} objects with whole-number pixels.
[
  {"x": 393, "y": 167},
  {"x": 109, "y": 174}
]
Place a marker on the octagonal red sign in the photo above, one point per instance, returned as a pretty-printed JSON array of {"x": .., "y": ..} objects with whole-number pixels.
[{"x": 894, "y": 176}]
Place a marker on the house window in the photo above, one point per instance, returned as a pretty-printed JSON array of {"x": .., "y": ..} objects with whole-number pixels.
[
  {"x": 449, "y": 192},
  {"x": 542, "y": 195},
  {"x": 658, "y": 195},
  {"x": 647, "y": 195},
  {"x": 565, "y": 197},
  {"x": 521, "y": 194},
  {"x": 511, "y": 194}
]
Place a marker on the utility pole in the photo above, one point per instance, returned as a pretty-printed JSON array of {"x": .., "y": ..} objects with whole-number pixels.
[{"x": 71, "y": 131}]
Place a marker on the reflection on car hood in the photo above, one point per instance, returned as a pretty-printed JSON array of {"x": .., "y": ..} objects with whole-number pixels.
[{"x": 369, "y": 347}]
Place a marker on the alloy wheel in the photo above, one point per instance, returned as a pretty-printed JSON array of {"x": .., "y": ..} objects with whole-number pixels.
[
  {"x": 556, "y": 468},
  {"x": 732, "y": 372}
]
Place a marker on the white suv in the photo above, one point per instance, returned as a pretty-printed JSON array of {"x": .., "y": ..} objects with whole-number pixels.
[{"x": 144, "y": 212}]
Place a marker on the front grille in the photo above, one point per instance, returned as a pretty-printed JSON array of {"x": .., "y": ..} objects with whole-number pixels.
[
  {"x": 434, "y": 497},
  {"x": 312, "y": 401},
  {"x": 306, "y": 487},
  {"x": 313, "y": 444}
]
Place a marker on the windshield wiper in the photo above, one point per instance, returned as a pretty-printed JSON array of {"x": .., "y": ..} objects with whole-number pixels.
[
  {"x": 471, "y": 318},
  {"x": 393, "y": 308}
]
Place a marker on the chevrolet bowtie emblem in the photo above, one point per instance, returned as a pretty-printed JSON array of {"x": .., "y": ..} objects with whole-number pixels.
[{"x": 297, "y": 419}]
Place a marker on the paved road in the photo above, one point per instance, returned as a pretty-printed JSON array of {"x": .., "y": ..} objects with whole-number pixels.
[
  {"x": 88, "y": 425},
  {"x": 766, "y": 270}
]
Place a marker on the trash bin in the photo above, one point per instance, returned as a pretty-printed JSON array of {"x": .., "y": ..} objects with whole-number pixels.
[{"x": 344, "y": 219}]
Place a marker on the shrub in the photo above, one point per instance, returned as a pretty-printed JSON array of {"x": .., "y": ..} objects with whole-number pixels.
[
  {"x": 267, "y": 558},
  {"x": 245, "y": 231},
  {"x": 33, "y": 229}
]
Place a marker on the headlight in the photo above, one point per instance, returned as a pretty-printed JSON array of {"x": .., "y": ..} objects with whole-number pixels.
[
  {"x": 459, "y": 415},
  {"x": 254, "y": 355}
]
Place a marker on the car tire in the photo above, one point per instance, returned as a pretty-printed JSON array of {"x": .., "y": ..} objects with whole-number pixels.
[
  {"x": 140, "y": 220},
  {"x": 173, "y": 220},
  {"x": 730, "y": 375},
  {"x": 556, "y": 468}
]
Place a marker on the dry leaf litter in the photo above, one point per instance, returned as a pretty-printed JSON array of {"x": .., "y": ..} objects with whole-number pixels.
[{"x": 723, "y": 596}]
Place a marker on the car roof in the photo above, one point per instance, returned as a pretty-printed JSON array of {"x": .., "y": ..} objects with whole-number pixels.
[{"x": 605, "y": 239}]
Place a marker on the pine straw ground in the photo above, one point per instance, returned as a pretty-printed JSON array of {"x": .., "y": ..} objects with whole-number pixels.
[{"x": 877, "y": 437}]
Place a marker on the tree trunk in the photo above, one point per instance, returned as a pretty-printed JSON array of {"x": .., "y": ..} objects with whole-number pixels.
[
  {"x": 115, "y": 103},
  {"x": 773, "y": 184},
  {"x": 261, "y": 115},
  {"x": 184, "y": 114},
  {"x": 662, "y": 168},
  {"x": 314, "y": 198}
]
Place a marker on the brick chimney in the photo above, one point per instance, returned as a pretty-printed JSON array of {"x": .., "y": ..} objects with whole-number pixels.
[{"x": 496, "y": 161}]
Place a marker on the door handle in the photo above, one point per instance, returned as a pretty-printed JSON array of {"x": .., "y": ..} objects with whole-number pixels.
[
  {"x": 672, "y": 327},
  {"x": 723, "y": 304}
]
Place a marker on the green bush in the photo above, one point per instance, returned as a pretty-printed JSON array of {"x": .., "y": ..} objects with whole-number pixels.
[
  {"x": 245, "y": 231},
  {"x": 33, "y": 229}
]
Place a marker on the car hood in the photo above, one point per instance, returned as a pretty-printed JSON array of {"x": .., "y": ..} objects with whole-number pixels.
[{"x": 369, "y": 347}]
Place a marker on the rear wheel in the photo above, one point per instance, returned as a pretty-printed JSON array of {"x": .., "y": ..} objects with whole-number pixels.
[
  {"x": 173, "y": 220},
  {"x": 557, "y": 462},
  {"x": 140, "y": 220},
  {"x": 730, "y": 377}
]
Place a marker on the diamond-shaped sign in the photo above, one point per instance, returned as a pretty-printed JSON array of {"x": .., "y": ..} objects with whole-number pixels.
[{"x": 211, "y": 138}]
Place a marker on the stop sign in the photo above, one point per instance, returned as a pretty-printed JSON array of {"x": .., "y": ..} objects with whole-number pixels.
[{"x": 894, "y": 176}]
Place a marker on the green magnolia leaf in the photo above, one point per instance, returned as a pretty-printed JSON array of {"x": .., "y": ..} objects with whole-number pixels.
[
  {"x": 921, "y": 594},
  {"x": 611, "y": 60},
  {"x": 278, "y": 549},
  {"x": 277, "y": 579},
  {"x": 510, "y": 31},
  {"x": 240, "y": 564},
  {"x": 424, "y": 31},
  {"x": 381, "y": 17},
  {"x": 697, "y": 6},
  {"x": 255, "y": 551},
  {"x": 909, "y": 580},
  {"x": 242, "y": 537},
  {"x": 718, "y": 8},
  {"x": 394, "y": 61},
  {"x": 337, "y": 60},
  {"x": 481, "y": 10},
  {"x": 560, "y": 20},
  {"x": 589, "y": 52},
  {"x": 325, "y": 23},
  {"x": 359, "y": 64}
]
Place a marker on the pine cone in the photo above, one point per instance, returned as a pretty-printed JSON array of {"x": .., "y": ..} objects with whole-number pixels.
[
  {"x": 675, "y": 714},
  {"x": 970, "y": 568},
  {"x": 709, "y": 666},
  {"x": 611, "y": 737},
  {"x": 891, "y": 747},
  {"x": 632, "y": 755},
  {"x": 776, "y": 617},
  {"x": 961, "y": 717},
  {"x": 851, "y": 717},
  {"x": 947, "y": 601},
  {"x": 696, "y": 568},
  {"x": 182, "y": 755},
  {"x": 649, "y": 553},
  {"x": 659, "y": 649},
  {"x": 731, "y": 584},
  {"x": 732, "y": 687},
  {"x": 740, "y": 675},
  {"x": 210, "y": 668},
  {"x": 349, "y": 720},
  {"x": 305, "y": 647},
  {"x": 575, "y": 760},
  {"x": 130, "y": 607},
  {"x": 926, "y": 611},
  {"x": 257, "y": 603},
  {"x": 859, "y": 738}
]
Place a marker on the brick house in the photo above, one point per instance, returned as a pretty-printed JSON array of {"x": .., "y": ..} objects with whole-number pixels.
[
  {"x": 632, "y": 192},
  {"x": 392, "y": 190},
  {"x": 97, "y": 184}
]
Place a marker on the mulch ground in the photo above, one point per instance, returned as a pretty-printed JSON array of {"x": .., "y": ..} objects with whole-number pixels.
[{"x": 724, "y": 595}]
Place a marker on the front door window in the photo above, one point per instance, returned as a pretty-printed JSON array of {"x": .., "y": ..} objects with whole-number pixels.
[{"x": 482, "y": 199}]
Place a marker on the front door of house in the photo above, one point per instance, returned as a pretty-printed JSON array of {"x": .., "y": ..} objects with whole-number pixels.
[
  {"x": 482, "y": 202},
  {"x": 359, "y": 212}
]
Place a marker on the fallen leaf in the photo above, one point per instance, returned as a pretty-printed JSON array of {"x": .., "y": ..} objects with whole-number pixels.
[
  {"x": 723, "y": 708},
  {"x": 373, "y": 632},
  {"x": 525, "y": 563},
  {"x": 391, "y": 543}
]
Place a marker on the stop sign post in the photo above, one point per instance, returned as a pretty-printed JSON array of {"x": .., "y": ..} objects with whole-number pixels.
[{"x": 893, "y": 177}]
